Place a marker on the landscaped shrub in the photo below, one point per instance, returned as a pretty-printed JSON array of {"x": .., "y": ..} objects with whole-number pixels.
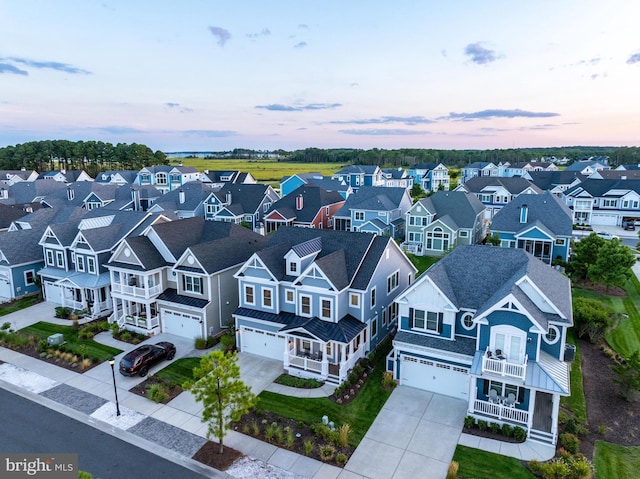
[
  {"x": 308, "y": 446},
  {"x": 570, "y": 442},
  {"x": 270, "y": 432},
  {"x": 387, "y": 381},
  {"x": 158, "y": 393},
  {"x": 62, "y": 312},
  {"x": 343, "y": 434},
  {"x": 42, "y": 345},
  {"x": 296, "y": 382},
  {"x": 494, "y": 427},
  {"x": 228, "y": 342},
  {"x": 507, "y": 430},
  {"x": 327, "y": 451},
  {"x": 482, "y": 425},
  {"x": 452, "y": 472},
  {"x": 469, "y": 422},
  {"x": 279, "y": 435},
  {"x": 200, "y": 343},
  {"x": 126, "y": 336},
  {"x": 341, "y": 458},
  {"x": 6, "y": 325},
  {"x": 519, "y": 434}
]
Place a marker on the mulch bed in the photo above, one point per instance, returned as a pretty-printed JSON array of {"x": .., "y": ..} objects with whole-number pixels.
[
  {"x": 301, "y": 433},
  {"x": 141, "y": 389},
  {"x": 209, "y": 454},
  {"x": 490, "y": 435},
  {"x": 33, "y": 352},
  {"x": 610, "y": 418}
]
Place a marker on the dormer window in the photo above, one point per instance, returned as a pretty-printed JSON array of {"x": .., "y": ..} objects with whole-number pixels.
[{"x": 292, "y": 268}]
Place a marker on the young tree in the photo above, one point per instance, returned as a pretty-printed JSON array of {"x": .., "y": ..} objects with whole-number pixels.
[
  {"x": 585, "y": 254},
  {"x": 218, "y": 386},
  {"x": 613, "y": 264},
  {"x": 628, "y": 377},
  {"x": 494, "y": 239},
  {"x": 591, "y": 318}
]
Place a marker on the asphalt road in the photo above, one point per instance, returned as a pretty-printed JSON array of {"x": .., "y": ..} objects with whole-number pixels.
[{"x": 28, "y": 427}]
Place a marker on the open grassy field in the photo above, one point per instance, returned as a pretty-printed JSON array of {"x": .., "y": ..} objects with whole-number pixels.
[
  {"x": 616, "y": 462},
  {"x": 265, "y": 171}
]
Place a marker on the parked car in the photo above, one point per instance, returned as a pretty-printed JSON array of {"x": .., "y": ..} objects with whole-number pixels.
[
  {"x": 629, "y": 225},
  {"x": 143, "y": 357},
  {"x": 606, "y": 235}
]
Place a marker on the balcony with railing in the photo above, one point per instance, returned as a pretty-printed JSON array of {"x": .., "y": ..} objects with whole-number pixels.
[
  {"x": 501, "y": 366},
  {"x": 501, "y": 411}
]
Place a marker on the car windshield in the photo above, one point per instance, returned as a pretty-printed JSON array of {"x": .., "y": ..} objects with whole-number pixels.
[{"x": 127, "y": 363}]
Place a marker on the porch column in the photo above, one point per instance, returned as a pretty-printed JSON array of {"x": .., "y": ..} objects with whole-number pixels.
[
  {"x": 83, "y": 298},
  {"x": 472, "y": 394},
  {"x": 325, "y": 361},
  {"x": 532, "y": 407},
  {"x": 554, "y": 416},
  {"x": 288, "y": 342}
]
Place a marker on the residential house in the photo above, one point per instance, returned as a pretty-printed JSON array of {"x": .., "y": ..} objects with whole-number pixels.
[
  {"x": 29, "y": 191},
  {"x": 360, "y": 175},
  {"x": 604, "y": 202},
  {"x": 556, "y": 182},
  {"x": 397, "y": 178},
  {"x": 307, "y": 206},
  {"x": 184, "y": 202},
  {"x": 177, "y": 277},
  {"x": 65, "y": 176},
  {"x": 240, "y": 203},
  {"x": 431, "y": 176},
  {"x": 291, "y": 183},
  {"x": 494, "y": 193},
  {"x": 319, "y": 300},
  {"x": 375, "y": 209},
  {"x": 11, "y": 177},
  {"x": 540, "y": 224},
  {"x": 488, "y": 325},
  {"x": 10, "y": 213},
  {"x": 615, "y": 175},
  {"x": 478, "y": 168},
  {"x": 443, "y": 221},
  {"x": 523, "y": 167},
  {"x": 20, "y": 259},
  {"x": 167, "y": 178},
  {"x": 116, "y": 177},
  {"x": 75, "y": 254},
  {"x": 588, "y": 167},
  {"x": 220, "y": 178}
]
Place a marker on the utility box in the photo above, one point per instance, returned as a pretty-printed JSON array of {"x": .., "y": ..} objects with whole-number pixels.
[
  {"x": 55, "y": 339},
  {"x": 569, "y": 352}
]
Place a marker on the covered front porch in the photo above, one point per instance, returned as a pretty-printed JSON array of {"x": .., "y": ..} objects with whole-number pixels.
[
  {"x": 140, "y": 317},
  {"x": 322, "y": 350},
  {"x": 87, "y": 296}
]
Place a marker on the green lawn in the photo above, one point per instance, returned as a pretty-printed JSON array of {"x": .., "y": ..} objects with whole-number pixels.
[
  {"x": 576, "y": 402},
  {"x": 625, "y": 339},
  {"x": 616, "y": 462},
  {"x": 423, "y": 263},
  {"x": 18, "y": 304},
  {"x": 477, "y": 464},
  {"x": 359, "y": 413},
  {"x": 179, "y": 370},
  {"x": 43, "y": 330}
]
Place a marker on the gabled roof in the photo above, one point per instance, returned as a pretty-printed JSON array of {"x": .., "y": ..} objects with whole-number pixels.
[
  {"x": 48, "y": 216},
  {"x": 107, "y": 176},
  {"x": 514, "y": 185},
  {"x": 597, "y": 188},
  {"x": 618, "y": 174},
  {"x": 581, "y": 165},
  {"x": 426, "y": 166},
  {"x": 357, "y": 170},
  {"x": 195, "y": 192},
  {"x": 463, "y": 208},
  {"x": 314, "y": 198},
  {"x": 28, "y": 191},
  {"x": 373, "y": 198},
  {"x": 545, "y": 208},
  {"x": 145, "y": 251},
  {"x": 245, "y": 198},
  {"x": 479, "y": 165},
  {"x": 547, "y": 180},
  {"x": 10, "y": 213},
  {"x": 21, "y": 246}
]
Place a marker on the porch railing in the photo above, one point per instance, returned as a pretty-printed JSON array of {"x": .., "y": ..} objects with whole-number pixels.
[
  {"x": 305, "y": 363},
  {"x": 345, "y": 366},
  {"x": 503, "y": 367},
  {"x": 135, "y": 291},
  {"x": 501, "y": 411},
  {"x": 139, "y": 321}
]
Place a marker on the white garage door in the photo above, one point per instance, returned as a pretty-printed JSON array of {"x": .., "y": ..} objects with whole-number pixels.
[
  {"x": 180, "y": 324},
  {"x": 255, "y": 341},
  {"x": 600, "y": 219},
  {"x": 5, "y": 290},
  {"x": 52, "y": 292},
  {"x": 433, "y": 376}
]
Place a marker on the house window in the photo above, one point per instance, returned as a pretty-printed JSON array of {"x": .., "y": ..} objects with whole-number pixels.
[
  {"x": 79, "y": 263},
  {"x": 266, "y": 207},
  {"x": 354, "y": 300},
  {"x": 560, "y": 241},
  {"x": 161, "y": 179},
  {"x": 427, "y": 320},
  {"x": 384, "y": 317},
  {"x": 373, "y": 297},
  {"x": 59, "y": 259},
  {"x": 288, "y": 296},
  {"x": 510, "y": 341},
  {"x": 91, "y": 265},
  {"x": 393, "y": 281},
  {"x": 504, "y": 390},
  {"x": 464, "y": 234},
  {"x": 29, "y": 277},
  {"x": 467, "y": 321},
  {"x": 328, "y": 349},
  {"x": 425, "y": 221},
  {"x": 609, "y": 203},
  {"x": 50, "y": 258},
  {"x": 306, "y": 346},
  {"x": 325, "y": 309},
  {"x": 305, "y": 305},
  {"x": 266, "y": 298},
  {"x": 552, "y": 336},
  {"x": 374, "y": 327},
  {"x": 249, "y": 297},
  {"x": 192, "y": 284},
  {"x": 293, "y": 267},
  {"x": 358, "y": 216}
]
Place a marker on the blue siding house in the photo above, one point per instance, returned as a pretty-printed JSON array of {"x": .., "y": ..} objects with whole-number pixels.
[
  {"x": 488, "y": 325},
  {"x": 357, "y": 176},
  {"x": 320, "y": 300},
  {"x": 20, "y": 260},
  {"x": 540, "y": 224}
]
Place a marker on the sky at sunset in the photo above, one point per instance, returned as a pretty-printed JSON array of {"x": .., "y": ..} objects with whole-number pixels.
[{"x": 216, "y": 75}]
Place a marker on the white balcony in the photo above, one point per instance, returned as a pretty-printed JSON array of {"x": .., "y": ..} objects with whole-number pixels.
[
  {"x": 503, "y": 367},
  {"x": 500, "y": 411},
  {"x": 135, "y": 291}
]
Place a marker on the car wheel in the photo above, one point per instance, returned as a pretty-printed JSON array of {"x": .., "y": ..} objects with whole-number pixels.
[
  {"x": 144, "y": 371},
  {"x": 171, "y": 355}
]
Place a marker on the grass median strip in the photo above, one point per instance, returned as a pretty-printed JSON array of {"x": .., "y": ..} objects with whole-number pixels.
[{"x": 478, "y": 464}]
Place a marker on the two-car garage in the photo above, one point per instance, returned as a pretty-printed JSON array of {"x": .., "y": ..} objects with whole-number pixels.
[
  {"x": 434, "y": 376},
  {"x": 262, "y": 343},
  {"x": 181, "y": 324}
]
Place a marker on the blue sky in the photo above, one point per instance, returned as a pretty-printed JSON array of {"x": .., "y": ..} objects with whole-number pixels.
[{"x": 217, "y": 75}]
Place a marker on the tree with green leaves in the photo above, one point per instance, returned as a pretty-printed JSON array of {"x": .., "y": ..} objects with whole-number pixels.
[
  {"x": 493, "y": 239},
  {"x": 217, "y": 385},
  {"x": 585, "y": 254},
  {"x": 591, "y": 318},
  {"x": 628, "y": 377},
  {"x": 417, "y": 192},
  {"x": 613, "y": 264}
]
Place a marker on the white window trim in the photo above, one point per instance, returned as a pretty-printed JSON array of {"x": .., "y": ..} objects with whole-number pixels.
[
  {"x": 51, "y": 258},
  {"x": 465, "y": 316},
  {"x": 80, "y": 263},
  {"x": 353, "y": 304},
  {"x": 59, "y": 259},
  {"x": 293, "y": 296},
  {"x": 557, "y": 338},
  {"x": 374, "y": 326},
  {"x": 262, "y": 298},
  {"x": 322, "y": 316},
  {"x": 33, "y": 277},
  {"x": 245, "y": 288},
  {"x": 373, "y": 297},
  {"x": 302, "y": 313},
  {"x": 91, "y": 265}
]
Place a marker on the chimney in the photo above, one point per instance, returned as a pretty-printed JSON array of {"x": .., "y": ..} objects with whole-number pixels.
[
  {"x": 524, "y": 210},
  {"x": 181, "y": 196},
  {"x": 70, "y": 193},
  {"x": 135, "y": 197},
  {"x": 299, "y": 202},
  {"x": 228, "y": 197}
]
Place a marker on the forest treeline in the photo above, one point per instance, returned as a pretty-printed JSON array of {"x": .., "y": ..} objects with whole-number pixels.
[
  {"x": 95, "y": 156},
  {"x": 91, "y": 156}
]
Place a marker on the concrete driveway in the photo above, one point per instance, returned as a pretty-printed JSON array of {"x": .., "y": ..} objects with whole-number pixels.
[
  {"x": 257, "y": 371},
  {"x": 414, "y": 435}
]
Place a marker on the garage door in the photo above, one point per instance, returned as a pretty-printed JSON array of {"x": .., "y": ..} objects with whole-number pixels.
[
  {"x": 267, "y": 344},
  {"x": 52, "y": 292},
  {"x": 434, "y": 376},
  {"x": 599, "y": 219},
  {"x": 180, "y": 324},
  {"x": 5, "y": 290}
]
